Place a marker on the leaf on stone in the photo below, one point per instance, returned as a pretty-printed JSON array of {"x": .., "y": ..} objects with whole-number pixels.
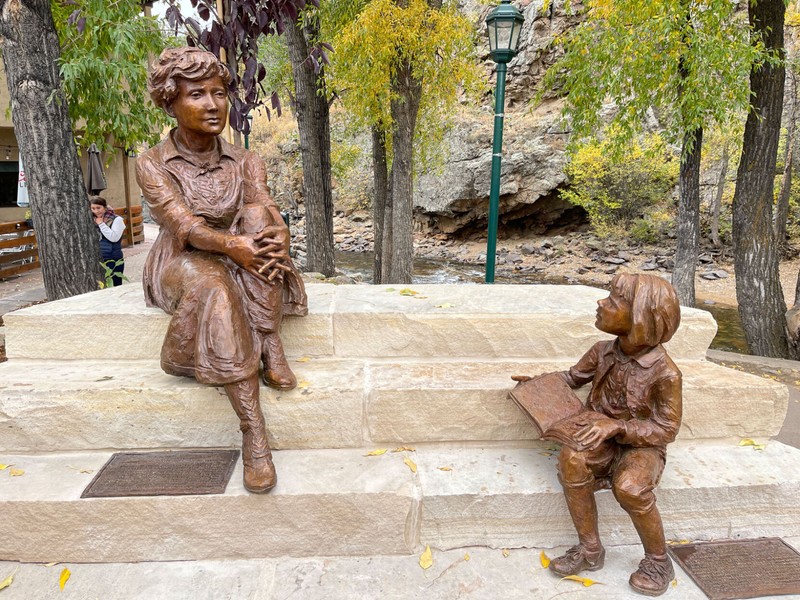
[
  {"x": 544, "y": 453},
  {"x": 404, "y": 449},
  {"x": 390, "y": 290},
  {"x": 79, "y": 470},
  {"x": 16, "y": 472},
  {"x": 749, "y": 442},
  {"x": 62, "y": 581},
  {"x": 8, "y": 580},
  {"x": 466, "y": 556},
  {"x": 4, "y": 467},
  {"x": 445, "y": 468},
  {"x": 678, "y": 542},
  {"x": 302, "y": 359},
  {"x": 408, "y": 292},
  {"x": 506, "y": 552},
  {"x": 445, "y": 305},
  {"x": 303, "y": 384},
  {"x": 674, "y": 583},
  {"x": 410, "y": 464},
  {"x": 584, "y": 580},
  {"x": 544, "y": 559},
  {"x": 426, "y": 559},
  {"x": 105, "y": 378},
  {"x": 377, "y": 452}
]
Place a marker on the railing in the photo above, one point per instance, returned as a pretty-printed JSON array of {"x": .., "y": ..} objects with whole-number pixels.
[{"x": 19, "y": 251}]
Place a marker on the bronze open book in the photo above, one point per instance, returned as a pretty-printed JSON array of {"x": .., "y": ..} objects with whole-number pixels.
[{"x": 554, "y": 408}]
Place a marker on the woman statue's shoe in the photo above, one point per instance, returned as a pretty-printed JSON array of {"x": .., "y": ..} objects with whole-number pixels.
[{"x": 277, "y": 373}]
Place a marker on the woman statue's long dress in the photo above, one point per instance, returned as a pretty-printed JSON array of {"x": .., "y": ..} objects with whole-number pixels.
[{"x": 220, "y": 265}]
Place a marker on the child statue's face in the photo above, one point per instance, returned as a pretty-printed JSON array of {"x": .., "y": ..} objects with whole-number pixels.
[{"x": 614, "y": 314}]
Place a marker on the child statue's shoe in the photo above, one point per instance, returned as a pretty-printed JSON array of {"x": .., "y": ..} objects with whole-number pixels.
[
  {"x": 653, "y": 576},
  {"x": 578, "y": 559}
]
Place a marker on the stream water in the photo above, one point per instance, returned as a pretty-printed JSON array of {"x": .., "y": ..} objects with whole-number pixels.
[{"x": 730, "y": 336}]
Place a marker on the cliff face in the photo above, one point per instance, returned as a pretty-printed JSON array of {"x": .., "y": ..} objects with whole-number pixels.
[{"x": 533, "y": 145}]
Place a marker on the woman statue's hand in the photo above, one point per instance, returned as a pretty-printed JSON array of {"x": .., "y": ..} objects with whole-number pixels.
[
  {"x": 274, "y": 248},
  {"x": 247, "y": 253}
]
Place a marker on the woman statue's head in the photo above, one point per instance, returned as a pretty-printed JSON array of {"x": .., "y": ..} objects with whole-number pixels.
[{"x": 191, "y": 64}]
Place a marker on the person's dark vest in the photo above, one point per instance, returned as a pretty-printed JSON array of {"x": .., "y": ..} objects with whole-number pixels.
[{"x": 109, "y": 250}]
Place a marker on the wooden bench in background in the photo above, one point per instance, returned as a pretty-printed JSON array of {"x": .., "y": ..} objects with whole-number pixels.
[{"x": 19, "y": 251}]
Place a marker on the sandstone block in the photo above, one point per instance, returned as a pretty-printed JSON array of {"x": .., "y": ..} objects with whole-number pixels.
[{"x": 326, "y": 503}]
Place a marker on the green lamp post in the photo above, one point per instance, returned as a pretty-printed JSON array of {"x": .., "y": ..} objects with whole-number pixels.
[{"x": 504, "y": 24}]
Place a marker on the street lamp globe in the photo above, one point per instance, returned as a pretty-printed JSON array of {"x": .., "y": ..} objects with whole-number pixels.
[{"x": 504, "y": 24}]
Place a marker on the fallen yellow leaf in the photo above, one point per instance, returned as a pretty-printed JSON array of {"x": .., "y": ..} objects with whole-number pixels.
[
  {"x": 404, "y": 449},
  {"x": 426, "y": 559},
  {"x": 8, "y": 580},
  {"x": 506, "y": 553},
  {"x": 303, "y": 384},
  {"x": 302, "y": 359},
  {"x": 466, "y": 556},
  {"x": 546, "y": 453},
  {"x": 445, "y": 468},
  {"x": 410, "y": 464},
  {"x": 753, "y": 443},
  {"x": 4, "y": 467},
  {"x": 16, "y": 472},
  {"x": 408, "y": 292},
  {"x": 544, "y": 559},
  {"x": 584, "y": 580},
  {"x": 674, "y": 583},
  {"x": 62, "y": 581},
  {"x": 445, "y": 305},
  {"x": 377, "y": 452},
  {"x": 390, "y": 290},
  {"x": 677, "y": 542}
]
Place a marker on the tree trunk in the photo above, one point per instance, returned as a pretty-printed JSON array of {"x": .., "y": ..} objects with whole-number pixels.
[
  {"x": 67, "y": 237},
  {"x": 380, "y": 178},
  {"x": 313, "y": 123},
  {"x": 758, "y": 287},
  {"x": 723, "y": 174},
  {"x": 688, "y": 239},
  {"x": 782, "y": 205},
  {"x": 405, "y": 108}
]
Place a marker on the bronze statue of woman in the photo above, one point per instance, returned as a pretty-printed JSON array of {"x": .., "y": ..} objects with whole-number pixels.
[{"x": 220, "y": 265}]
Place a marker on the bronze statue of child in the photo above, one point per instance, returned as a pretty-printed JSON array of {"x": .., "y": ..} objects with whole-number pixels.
[{"x": 638, "y": 389}]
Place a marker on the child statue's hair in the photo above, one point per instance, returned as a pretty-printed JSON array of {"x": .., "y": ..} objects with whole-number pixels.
[{"x": 655, "y": 309}]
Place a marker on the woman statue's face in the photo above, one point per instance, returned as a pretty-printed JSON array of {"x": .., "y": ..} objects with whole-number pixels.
[{"x": 201, "y": 106}]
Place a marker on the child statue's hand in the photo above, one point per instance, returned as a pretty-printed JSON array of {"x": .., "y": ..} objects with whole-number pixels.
[{"x": 591, "y": 436}]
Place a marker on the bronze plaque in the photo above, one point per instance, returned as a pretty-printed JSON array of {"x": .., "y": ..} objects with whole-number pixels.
[
  {"x": 733, "y": 569},
  {"x": 173, "y": 473}
]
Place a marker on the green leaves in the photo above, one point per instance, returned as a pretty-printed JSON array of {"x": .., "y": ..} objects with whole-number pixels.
[
  {"x": 104, "y": 72},
  {"x": 689, "y": 60}
]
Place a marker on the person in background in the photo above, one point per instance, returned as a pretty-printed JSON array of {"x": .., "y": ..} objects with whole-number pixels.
[{"x": 110, "y": 228}]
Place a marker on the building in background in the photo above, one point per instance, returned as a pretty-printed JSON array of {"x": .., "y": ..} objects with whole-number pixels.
[{"x": 120, "y": 176}]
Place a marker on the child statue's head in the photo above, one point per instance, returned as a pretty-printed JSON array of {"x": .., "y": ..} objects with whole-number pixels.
[{"x": 655, "y": 310}]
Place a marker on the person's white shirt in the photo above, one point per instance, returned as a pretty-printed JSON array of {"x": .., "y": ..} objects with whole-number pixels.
[{"x": 113, "y": 233}]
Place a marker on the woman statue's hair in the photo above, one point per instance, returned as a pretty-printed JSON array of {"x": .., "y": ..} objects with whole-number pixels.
[{"x": 192, "y": 64}]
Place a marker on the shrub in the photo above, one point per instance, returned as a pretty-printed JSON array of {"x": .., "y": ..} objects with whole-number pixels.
[{"x": 617, "y": 188}]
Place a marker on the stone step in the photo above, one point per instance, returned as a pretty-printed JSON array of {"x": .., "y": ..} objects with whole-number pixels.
[
  {"x": 474, "y": 573},
  {"x": 48, "y": 406},
  {"x": 533, "y": 322},
  {"x": 342, "y": 503}
]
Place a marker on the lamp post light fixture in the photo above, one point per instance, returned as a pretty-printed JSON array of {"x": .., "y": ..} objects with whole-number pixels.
[{"x": 504, "y": 24}]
